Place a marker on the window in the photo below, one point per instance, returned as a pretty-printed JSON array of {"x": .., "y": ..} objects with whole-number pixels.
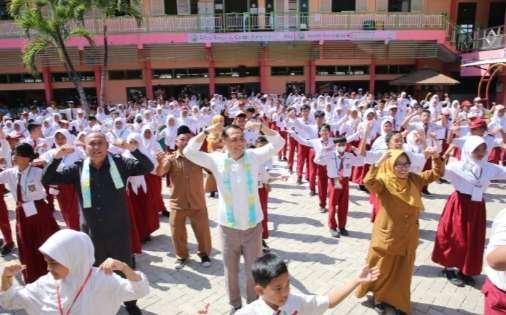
[
  {"x": 238, "y": 72},
  {"x": 63, "y": 77},
  {"x": 287, "y": 71},
  {"x": 394, "y": 69},
  {"x": 4, "y": 12},
  {"x": 194, "y": 7},
  {"x": 343, "y": 5},
  {"x": 399, "y": 5},
  {"x": 163, "y": 74},
  {"x": 170, "y": 7},
  {"x": 342, "y": 70},
  {"x": 125, "y": 75},
  {"x": 20, "y": 78},
  {"x": 122, "y": 8}
]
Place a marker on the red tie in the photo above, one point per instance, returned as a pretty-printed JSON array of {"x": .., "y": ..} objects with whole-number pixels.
[{"x": 340, "y": 170}]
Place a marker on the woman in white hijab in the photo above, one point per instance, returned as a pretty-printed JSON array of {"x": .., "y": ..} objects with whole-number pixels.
[
  {"x": 154, "y": 182},
  {"x": 169, "y": 134},
  {"x": 147, "y": 218},
  {"x": 67, "y": 196},
  {"x": 72, "y": 285},
  {"x": 460, "y": 238}
]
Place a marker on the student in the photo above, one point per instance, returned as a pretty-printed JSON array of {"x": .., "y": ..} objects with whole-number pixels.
[
  {"x": 72, "y": 285},
  {"x": 460, "y": 237},
  {"x": 34, "y": 219},
  {"x": 272, "y": 284},
  {"x": 339, "y": 163}
]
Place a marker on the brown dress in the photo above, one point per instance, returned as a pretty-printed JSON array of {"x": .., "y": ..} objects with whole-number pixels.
[{"x": 395, "y": 237}]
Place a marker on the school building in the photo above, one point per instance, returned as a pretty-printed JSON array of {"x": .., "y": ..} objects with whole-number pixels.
[{"x": 270, "y": 46}]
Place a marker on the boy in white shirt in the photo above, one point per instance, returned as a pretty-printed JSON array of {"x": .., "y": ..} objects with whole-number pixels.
[{"x": 272, "y": 284}]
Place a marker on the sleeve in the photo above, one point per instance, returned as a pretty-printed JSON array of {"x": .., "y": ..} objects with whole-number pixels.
[
  {"x": 372, "y": 182},
  {"x": 126, "y": 290},
  {"x": 314, "y": 304},
  {"x": 67, "y": 175},
  {"x": 266, "y": 152},
  {"x": 19, "y": 297},
  {"x": 164, "y": 167},
  {"x": 192, "y": 152},
  {"x": 427, "y": 177},
  {"x": 139, "y": 166},
  {"x": 499, "y": 172},
  {"x": 357, "y": 160},
  {"x": 300, "y": 140},
  {"x": 459, "y": 142},
  {"x": 372, "y": 157}
]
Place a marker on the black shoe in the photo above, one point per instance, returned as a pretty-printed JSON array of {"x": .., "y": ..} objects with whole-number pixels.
[
  {"x": 312, "y": 193},
  {"x": 299, "y": 180},
  {"x": 166, "y": 213},
  {"x": 180, "y": 264},
  {"x": 466, "y": 279},
  {"x": 7, "y": 249},
  {"x": 362, "y": 187},
  {"x": 380, "y": 308},
  {"x": 426, "y": 192},
  {"x": 212, "y": 194},
  {"x": 205, "y": 261},
  {"x": 334, "y": 233},
  {"x": 265, "y": 247},
  {"x": 285, "y": 159},
  {"x": 133, "y": 310},
  {"x": 343, "y": 232},
  {"x": 451, "y": 275}
]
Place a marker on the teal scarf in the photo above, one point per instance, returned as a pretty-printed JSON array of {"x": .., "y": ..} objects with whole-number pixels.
[
  {"x": 85, "y": 179},
  {"x": 250, "y": 198}
]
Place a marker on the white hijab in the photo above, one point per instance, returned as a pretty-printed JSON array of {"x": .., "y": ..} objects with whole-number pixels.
[
  {"x": 136, "y": 181},
  {"x": 75, "y": 251}
]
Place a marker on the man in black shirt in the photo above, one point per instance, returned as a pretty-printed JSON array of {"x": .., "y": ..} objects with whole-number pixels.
[{"x": 104, "y": 212}]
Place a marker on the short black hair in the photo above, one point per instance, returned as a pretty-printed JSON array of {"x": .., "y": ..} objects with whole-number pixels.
[
  {"x": 268, "y": 267},
  {"x": 305, "y": 107},
  {"x": 250, "y": 110},
  {"x": 262, "y": 139},
  {"x": 324, "y": 126},
  {"x": 426, "y": 111},
  {"x": 390, "y": 135},
  {"x": 224, "y": 133},
  {"x": 319, "y": 113},
  {"x": 340, "y": 140},
  {"x": 291, "y": 108}
]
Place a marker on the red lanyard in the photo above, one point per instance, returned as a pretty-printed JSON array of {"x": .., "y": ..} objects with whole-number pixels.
[{"x": 83, "y": 285}]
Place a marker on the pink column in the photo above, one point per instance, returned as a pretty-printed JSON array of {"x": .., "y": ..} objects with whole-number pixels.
[
  {"x": 312, "y": 77},
  {"x": 211, "y": 70},
  {"x": 48, "y": 86},
  {"x": 264, "y": 70},
  {"x": 98, "y": 79},
  {"x": 372, "y": 76},
  {"x": 453, "y": 12},
  {"x": 148, "y": 79}
]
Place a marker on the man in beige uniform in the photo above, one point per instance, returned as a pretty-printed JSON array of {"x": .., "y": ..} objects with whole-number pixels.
[{"x": 187, "y": 200}]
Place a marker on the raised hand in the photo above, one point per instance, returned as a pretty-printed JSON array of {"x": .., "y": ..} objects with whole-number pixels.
[
  {"x": 12, "y": 269},
  {"x": 368, "y": 274},
  {"x": 110, "y": 265},
  {"x": 63, "y": 151}
]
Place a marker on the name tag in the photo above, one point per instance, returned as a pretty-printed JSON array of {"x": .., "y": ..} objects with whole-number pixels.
[
  {"x": 477, "y": 194},
  {"x": 29, "y": 209}
]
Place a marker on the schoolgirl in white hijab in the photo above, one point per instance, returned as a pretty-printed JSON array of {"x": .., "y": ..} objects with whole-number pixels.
[
  {"x": 150, "y": 144},
  {"x": 72, "y": 285},
  {"x": 137, "y": 182},
  {"x": 169, "y": 134},
  {"x": 68, "y": 160}
]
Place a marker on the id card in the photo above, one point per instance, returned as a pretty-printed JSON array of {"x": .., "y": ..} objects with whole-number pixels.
[
  {"x": 53, "y": 191},
  {"x": 477, "y": 194},
  {"x": 29, "y": 209}
]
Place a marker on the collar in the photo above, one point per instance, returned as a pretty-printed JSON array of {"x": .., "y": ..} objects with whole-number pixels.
[{"x": 264, "y": 308}]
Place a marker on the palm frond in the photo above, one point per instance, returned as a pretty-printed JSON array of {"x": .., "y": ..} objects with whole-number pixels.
[
  {"x": 81, "y": 32},
  {"x": 32, "y": 50}
]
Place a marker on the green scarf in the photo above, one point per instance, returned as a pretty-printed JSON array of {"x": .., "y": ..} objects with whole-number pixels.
[{"x": 85, "y": 179}]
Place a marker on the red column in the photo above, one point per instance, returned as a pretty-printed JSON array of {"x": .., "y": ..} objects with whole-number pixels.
[
  {"x": 264, "y": 70},
  {"x": 148, "y": 79},
  {"x": 211, "y": 70},
  {"x": 453, "y": 12},
  {"x": 312, "y": 77},
  {"x": 48, "y": 86},
  {"x": 98, "y": 79},
  {"x": 372, "y": 76}
]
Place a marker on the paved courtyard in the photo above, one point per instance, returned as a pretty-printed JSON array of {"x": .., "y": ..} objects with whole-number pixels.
[{"x": 317, "y": 262}]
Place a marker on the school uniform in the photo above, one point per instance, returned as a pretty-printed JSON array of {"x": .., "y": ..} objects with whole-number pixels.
[
  {"x": 34, "y": 219},
  {"x": 494, "y": 288},
  {"x": 5, "y": 226},
  {"x": 296, "y": 304},
  {"x": 460, "y": 237},
  {"x": 339, "y": 169}
]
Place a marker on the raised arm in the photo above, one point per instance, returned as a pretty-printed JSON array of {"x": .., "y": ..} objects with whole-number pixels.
[
  {"x": 300, "y": 140},
  {"x": 192, "y": 152},
  {"x": 68, "y": 175},
  {"x": 139, "y": 166},
  {"x": 275, "y": 144},
  {"x": 371, "y": 180},
  {"x": 437, "y": 171}
]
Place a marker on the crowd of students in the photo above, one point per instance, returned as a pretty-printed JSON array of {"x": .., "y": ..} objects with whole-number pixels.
[{"x": 105, "y": 168}]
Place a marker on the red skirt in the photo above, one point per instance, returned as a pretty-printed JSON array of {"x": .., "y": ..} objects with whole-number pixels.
[
  {"x": 495, "y": 299},
  {"x": 134, "y": 233},
  {"x": 69, "y": 205},
  {"x": 31, "y": 233},
  {"x": 460, "y": 237},
  {"x": 495, "y": 155},
  {"x": 146, "y": 217},
  {"x": 154, "y": 184},
  {"x": 374, "y": 201}
]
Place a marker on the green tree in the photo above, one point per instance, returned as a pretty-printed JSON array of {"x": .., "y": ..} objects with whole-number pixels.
[
  {"x": 49, "y": 24},
  {"x": 109, "y": 9}
]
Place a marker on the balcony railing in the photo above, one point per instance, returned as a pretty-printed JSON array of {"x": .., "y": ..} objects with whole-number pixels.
[
  {"x": 255, "y": 22},
  {"x": 481, "y": 39}
]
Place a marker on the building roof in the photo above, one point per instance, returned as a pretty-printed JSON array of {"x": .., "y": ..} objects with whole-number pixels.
[{"x": 424, "y": 77}]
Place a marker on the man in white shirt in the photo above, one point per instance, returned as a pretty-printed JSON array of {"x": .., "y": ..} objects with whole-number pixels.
[
  {"x": 239, "y": 213},
  {"x": 273, "y": 286}
]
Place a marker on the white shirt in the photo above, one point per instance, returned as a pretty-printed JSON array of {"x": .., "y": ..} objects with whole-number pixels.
[
  {"x": 103, "y": 295},
  {"x": 491, "y": 142},
  {"x": 31, "y": 186},
  {"x": 215, "y": 162},
  {"x": 333, "y": 162},
  {"x": 497, "y": 238},
  {"x": 296, "y": 303}
]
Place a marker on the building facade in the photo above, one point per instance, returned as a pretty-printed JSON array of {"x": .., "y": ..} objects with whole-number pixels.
[{"x": 267, "y": 46}]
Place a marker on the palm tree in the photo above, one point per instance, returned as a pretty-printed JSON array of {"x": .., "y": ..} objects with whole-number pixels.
[
  {"x": 48, "y": 24},
  {"x": 108, "y": 9}
]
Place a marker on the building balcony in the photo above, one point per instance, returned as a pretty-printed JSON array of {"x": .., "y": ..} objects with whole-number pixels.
[
  {"x": 255, "y": 22},
  {"x": 480, "y": 40}
]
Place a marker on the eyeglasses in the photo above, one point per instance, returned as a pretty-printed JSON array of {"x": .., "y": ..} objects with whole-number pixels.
[{"x": 402, "y": 165}]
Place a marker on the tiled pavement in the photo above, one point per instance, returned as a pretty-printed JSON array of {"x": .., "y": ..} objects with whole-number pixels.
[{"x": 318, "y": 262}]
